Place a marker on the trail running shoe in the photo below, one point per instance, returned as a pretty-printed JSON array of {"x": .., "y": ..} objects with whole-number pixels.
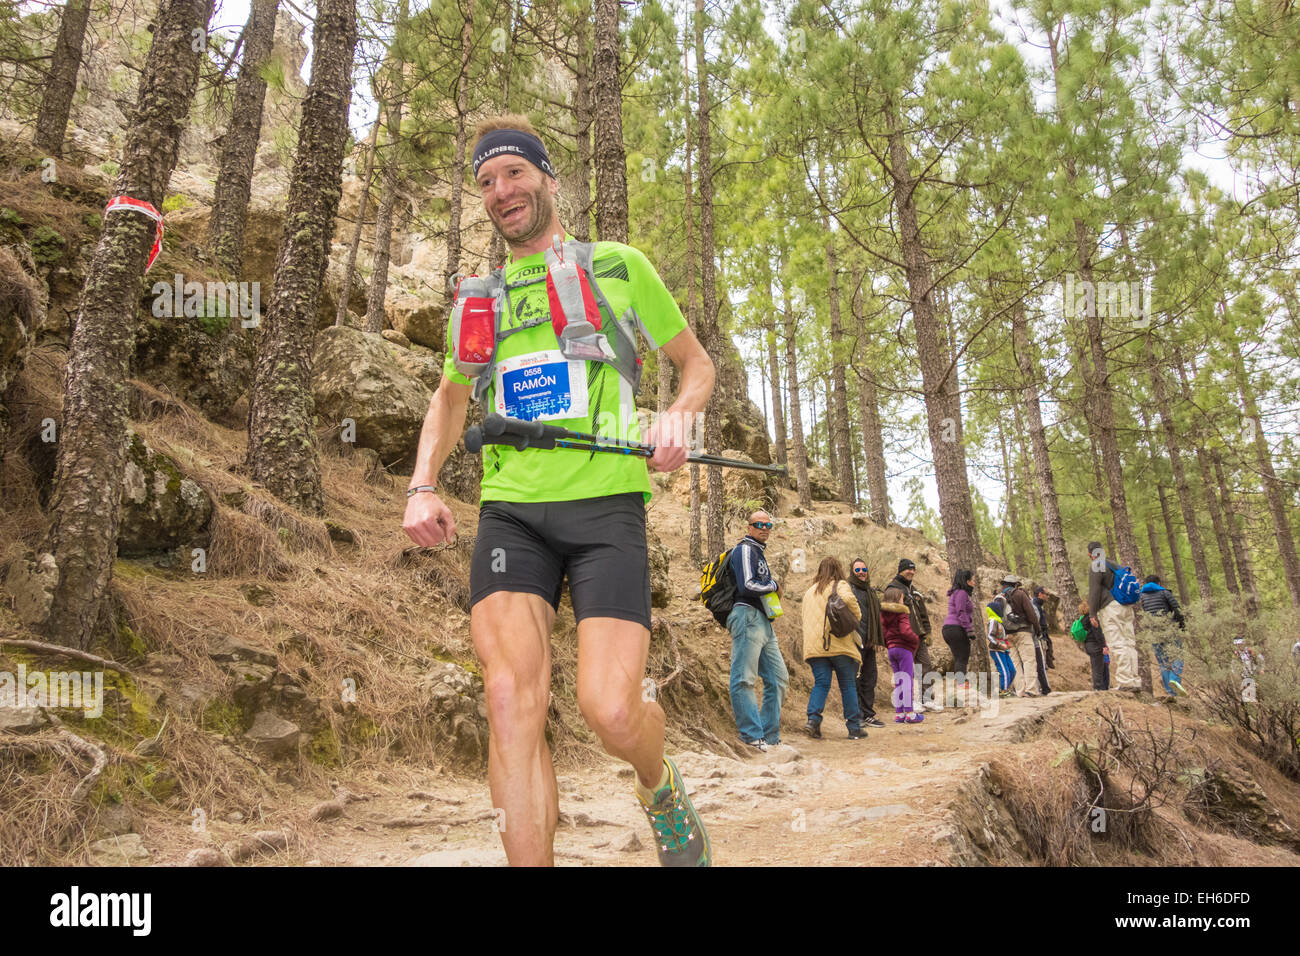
[
  {"x": 900, "y": 719},
  {"x": 680, "y": 837},
  {"x": 857, "y": 735},
  {"x": 914, "y": 718},
  {"x": 1178, "y": 687},
  {"x": 872, "y": 722}
]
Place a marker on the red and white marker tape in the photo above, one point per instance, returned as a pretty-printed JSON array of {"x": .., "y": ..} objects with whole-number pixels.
[{"x": 139, "y": 205}]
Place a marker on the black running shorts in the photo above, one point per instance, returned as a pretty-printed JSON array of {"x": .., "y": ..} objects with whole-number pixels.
[{"x": 599, "y": 543}]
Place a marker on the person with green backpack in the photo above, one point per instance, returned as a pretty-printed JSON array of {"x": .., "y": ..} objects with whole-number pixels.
[
  {"x": 1112, "y": 592},
  {"x": 1088, "y": 635}
]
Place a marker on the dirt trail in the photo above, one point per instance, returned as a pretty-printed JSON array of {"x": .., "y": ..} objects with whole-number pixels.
[{"x": 833, "y": 801}]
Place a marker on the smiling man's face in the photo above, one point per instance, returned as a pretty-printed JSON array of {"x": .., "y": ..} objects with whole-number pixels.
[{"x": 518, "y": 198}]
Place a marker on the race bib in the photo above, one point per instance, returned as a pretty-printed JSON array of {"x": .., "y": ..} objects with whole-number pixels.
[{"x": 541, "y": 386}]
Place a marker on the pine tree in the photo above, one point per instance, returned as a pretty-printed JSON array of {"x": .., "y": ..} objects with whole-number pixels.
[
  {"x": 61, "y": 82},
  {"x": 239, "y": 145},
  {"x": 85, "y": 507},
  {"x": 281, "y": 439}
]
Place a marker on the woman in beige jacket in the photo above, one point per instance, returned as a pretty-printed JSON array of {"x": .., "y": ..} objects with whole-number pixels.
[{"x": 825, "y": 653}]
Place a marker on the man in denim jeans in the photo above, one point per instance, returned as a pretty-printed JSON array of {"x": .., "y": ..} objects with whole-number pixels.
[{"x": 754, "y": 650}]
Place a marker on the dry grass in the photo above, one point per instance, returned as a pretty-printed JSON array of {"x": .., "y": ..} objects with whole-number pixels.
[
  {"x": 21, "y": 294},
  {"x": 1138, "y": 764}
]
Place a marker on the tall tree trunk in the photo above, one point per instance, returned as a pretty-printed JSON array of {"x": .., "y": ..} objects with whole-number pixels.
[
  {"x": 611, "y": 160},
  {"x": 713, "y": 339},
  {"x": 697, "y": 544},
  {"x": 61, "y": 81},
  {"x": 774, "y": 376},
  {"x": 460, "y": 147},
  {"x": 1157, "y": 561},
  {"x": 281, "y": 433},
  {"x": 239, "y": 145},
  {"x": 1237, "y": 534},
  {"x": 797, "y": 447},
  {"x": 1062, "y": 571},
  {"x": 832, "y": 455},
  {"x": 838, "y": 406},
  {"x": 1273, "y": 494},
  {"x": 1097, "y": 375},
  {"x": 375, "y": 307},
  {"x": 1199, "y": 438},
  {"x": 349, "y": 269},
  {"x": 873, "y": 441},
  {"x": 85, "y": 508},
  {"x": 583, "y": 121},
  {"x": 1036, "y": 505},
  {"x": 1015, "y": 511},
  {"x": 938, "y": 372},
  {"x": 497, "y": 247},
  {"x": 1008, "y": 497},
  {"x": 1173, "y": 449},
  {"x": 1184, "y": 595}
]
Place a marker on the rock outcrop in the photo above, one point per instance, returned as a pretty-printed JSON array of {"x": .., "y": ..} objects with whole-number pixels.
[{"x": 356, "y": 379}]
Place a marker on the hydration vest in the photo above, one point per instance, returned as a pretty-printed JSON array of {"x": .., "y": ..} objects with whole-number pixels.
[{"x": 577, "y": 307}]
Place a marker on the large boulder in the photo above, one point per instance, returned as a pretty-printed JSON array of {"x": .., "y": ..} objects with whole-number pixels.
[
  {"x": 821, "y": 485},
  {"x": 421, "y": 321},
  {"x": 424, "y": 365},
  {"x": 161, "y": 508},
  {"x": 356, "y": 376}
]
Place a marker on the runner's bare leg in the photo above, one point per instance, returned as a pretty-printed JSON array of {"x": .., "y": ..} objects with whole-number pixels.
[
  {"x": 512, "y": 636},
  {"x": 611, "y": 667}
]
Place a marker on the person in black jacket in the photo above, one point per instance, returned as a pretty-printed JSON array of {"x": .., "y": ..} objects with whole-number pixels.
[
  {"x": 869, "y": 637},
  {"x": 1160, "y": 601},
  {"x": 1044, "y": 635},
  {"x": 920, "y": 621}
]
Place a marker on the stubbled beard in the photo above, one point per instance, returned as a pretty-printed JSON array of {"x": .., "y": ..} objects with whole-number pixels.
[{"x": 543, "y": 211}]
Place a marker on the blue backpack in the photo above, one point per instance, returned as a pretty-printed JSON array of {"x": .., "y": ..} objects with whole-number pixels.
[{"x": 1125, "y": 588}]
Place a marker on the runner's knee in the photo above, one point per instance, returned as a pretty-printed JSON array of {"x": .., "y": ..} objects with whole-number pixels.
[
  {"x": 514, "y": 701},
  {"x": 610, "y": 716}
]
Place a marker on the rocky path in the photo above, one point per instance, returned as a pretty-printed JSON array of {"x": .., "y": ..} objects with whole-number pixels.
[{"x": 878, "y": 801}]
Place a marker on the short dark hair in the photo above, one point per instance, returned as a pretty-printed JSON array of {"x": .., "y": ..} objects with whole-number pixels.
[{"x": 1152, "y": 579}]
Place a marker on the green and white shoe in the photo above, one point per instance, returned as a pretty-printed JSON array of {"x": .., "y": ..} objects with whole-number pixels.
[{"x": 680, "y": 837}]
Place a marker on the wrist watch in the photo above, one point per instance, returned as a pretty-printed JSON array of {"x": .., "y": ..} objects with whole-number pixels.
[{"x": 412, "y": 492}]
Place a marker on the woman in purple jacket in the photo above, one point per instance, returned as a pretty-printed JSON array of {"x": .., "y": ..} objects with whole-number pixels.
[{"x": 958, "y": 626}]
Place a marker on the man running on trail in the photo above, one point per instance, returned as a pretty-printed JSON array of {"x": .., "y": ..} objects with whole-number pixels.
[{"x": 548, "y": 514}]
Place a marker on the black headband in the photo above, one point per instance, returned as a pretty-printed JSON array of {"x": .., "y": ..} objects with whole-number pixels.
[{"x": 501, "y": 142}]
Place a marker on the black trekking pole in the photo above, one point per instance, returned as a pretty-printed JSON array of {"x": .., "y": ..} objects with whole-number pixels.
[{"x": 499, "y": 430}]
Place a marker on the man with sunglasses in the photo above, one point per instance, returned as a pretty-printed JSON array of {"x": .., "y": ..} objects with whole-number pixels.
[
  {"x": 547, "y": 515},
  {"x": 870, "y": 637},
  {"x": 755, "y": 652}
]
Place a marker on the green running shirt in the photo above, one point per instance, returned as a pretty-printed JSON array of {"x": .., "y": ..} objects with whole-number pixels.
[{"x": 602, "y": 402}]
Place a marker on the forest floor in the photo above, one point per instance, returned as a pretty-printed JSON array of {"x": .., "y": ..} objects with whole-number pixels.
[{"x": 880, "y": 801}]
